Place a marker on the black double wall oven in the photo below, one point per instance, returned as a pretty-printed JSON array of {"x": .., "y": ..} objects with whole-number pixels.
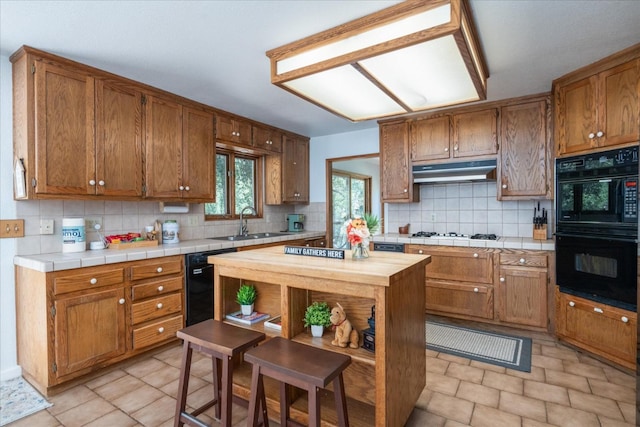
[{"x": 597, "y": 226}]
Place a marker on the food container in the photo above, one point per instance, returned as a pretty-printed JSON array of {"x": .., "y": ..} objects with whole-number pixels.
[
  {"x": 73, "y": 235},
  {"x": 170, "y": 231}
]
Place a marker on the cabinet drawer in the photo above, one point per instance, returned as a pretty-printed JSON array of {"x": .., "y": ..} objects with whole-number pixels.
[
  {"x": 156, "y": 332},
  {"x": 459, "y": 298},
  {"x": 529, "y": 260},
  {"x": 460, "y": 265},
  {"x": 71, "y": 282},
  {"x": 156, "y": 268},
  {"x": 156, "y": 307},
  {"x": 156, "y": 288}
]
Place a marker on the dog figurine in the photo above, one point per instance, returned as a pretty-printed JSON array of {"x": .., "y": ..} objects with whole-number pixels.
[{"x": 345, "y": 334}]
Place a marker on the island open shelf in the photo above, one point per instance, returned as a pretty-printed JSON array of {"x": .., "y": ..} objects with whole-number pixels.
[{"x": 386, "y": 383}]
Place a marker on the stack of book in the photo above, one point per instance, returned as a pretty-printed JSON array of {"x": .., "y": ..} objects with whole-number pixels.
[{"x": 250, "y": 319}]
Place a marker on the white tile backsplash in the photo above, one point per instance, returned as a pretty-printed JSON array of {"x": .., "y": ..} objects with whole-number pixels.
[{"x": 467, "y": 208}]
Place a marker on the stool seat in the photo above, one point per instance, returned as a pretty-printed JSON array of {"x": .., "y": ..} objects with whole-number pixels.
[
  {"x": 222, "y": 342},
  {"x": 300, "y": 365}
]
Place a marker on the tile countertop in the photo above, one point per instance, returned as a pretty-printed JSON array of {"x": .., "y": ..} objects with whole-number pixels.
[
  {"x": 66, "y": 261},
  {"x": 501, "y": 243}
]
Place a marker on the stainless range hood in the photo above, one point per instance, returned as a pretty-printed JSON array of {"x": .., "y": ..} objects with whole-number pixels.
[{"x": 479, "y": 170}]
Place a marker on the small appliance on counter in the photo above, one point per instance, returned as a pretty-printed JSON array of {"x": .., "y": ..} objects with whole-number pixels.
[{"x": 296, "y": 222}]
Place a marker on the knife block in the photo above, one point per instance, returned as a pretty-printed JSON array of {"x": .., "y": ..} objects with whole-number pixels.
[{"x": 540, "y": 233}]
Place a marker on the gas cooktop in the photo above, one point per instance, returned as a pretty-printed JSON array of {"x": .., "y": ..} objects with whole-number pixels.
[{"x": 453, "y": 235}]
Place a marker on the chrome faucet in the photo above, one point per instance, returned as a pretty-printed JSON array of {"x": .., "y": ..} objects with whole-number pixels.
[{"x": 242, "y": 231}]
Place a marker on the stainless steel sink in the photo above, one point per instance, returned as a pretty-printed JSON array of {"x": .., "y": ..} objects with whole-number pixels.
[{"x": 251, "y": 236}]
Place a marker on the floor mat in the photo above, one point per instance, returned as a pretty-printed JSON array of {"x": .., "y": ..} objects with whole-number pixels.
[
  {"x": 19, "y": 399},
  {"x": 490, "y": 347}
]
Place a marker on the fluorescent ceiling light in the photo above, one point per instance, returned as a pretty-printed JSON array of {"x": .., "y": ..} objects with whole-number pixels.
[{"x": 414, "y": 56}]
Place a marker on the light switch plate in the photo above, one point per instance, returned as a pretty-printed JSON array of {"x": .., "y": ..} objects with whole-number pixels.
[
  {"x": 11, "y": 228},
  {"x": 46, "y": 226},
  {"x": 91, "y": 221}
]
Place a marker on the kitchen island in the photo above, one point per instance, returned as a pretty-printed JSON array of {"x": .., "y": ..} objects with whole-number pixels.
[{"x": 382, "y": 386}]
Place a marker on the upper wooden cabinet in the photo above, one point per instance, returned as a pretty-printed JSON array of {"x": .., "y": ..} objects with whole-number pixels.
[
  {"x": 429, "y": 138},
  {"x": 180, "y": 152},
  {"x": 77, "y": 135},
  {"x": 475, "y": 133},
  {"x": 597, "y": 106},
  {"x": 395, "y": 165},
  {"x": 266, "y": 138},
  {"x": 234, "y": 130},
  {"x": 524, "y": 167},
  {"x": 287, "y": 174}
]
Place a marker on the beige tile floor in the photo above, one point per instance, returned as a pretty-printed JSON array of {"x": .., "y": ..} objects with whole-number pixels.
[{"x": 565, "y": 388}]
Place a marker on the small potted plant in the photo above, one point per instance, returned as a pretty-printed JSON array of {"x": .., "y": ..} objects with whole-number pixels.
[
  {"x": 246, "y": 296},
  {"x": 317, "y": 316}
]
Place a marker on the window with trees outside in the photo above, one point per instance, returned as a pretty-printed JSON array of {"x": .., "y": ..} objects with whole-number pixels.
[
  {"x": 237, "y": 183},
  {"x": 351, "y": 199}
]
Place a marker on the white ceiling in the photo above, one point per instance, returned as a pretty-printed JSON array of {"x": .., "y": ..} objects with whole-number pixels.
[{"x": 214, "y": 51}]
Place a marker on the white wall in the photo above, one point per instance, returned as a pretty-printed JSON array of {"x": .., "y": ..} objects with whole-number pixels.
[{"x": 8, "y": 358}]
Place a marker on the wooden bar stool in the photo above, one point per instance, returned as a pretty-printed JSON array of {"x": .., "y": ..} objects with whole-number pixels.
[
  {"x": 300, "y": 365},
  {"x": 222, "y": 342}
]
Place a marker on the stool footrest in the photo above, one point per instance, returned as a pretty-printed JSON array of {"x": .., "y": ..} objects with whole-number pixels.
[
  {"x": 204, "y": 407},
  {"x": 191, "y": 420}
]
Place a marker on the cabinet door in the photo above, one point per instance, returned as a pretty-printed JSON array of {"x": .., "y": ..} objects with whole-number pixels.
[
  {"x": 618, "y": 104},
  {"x": 163, "y": 148},
  {"x": 524, "y": 165},
  {"x": 199, "y": 156},
  {"x": 295, "y": 164},
  {"x": 430, "y": 139},
  {"x": 233, "y": 130},
  {"x": 267, "y": 139},
  {"x": 395, "y": 168},
  {"x": 118, "y": 140},
  {"x": 576, "y": 116},
  {"x": 475, "y": 133},
  {"x": 89, "y": 329},
  {"x": 64, "y": 135},
  {"x": 523, "y": 296}
]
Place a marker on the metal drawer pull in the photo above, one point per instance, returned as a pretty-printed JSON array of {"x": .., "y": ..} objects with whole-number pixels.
[
  {"x": 420, "y": 251},
  {"x": 121, "y": 301},
  {"x": 160, "y": 288},
  {"x": 160, "y": 329},
  {"x": 522, "y": 261},
  {"x": 159, "y": 305},
  {"x": 476, "y": 290},
  {"x": 159, "y": 269},
  {"x": 502, "y": 279},
  {"x": 572, "y": 304},
  {"x": 598, "y": 310},
  {"x": 93, "y": 281},
  {"x": 475, "y": 255},
  {"x": 624, "y": 319}
]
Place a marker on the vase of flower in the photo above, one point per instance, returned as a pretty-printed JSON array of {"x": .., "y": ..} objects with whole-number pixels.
[{"x": 359, "y": 251}]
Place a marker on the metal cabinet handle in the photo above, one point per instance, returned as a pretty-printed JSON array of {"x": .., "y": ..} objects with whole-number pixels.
[
  {"x": 420, "y": 251},
  {"x": 92, "y": 182},
  {"x": 121, "y": 301},
  {"x": 598, "y": 310},
  {"x": 476, "y": 255},
  {"x": 455, "y": 148},
  {"x": 187, "y": 188},
  {"x": 160, "y": 329},
  {"x": 572, "y": 304},
  {"x": 522, "y": 260},
  {"x": 159, "y": 269},
  {"x": 592, "y": 135},
  {"x": 159, "y": 305},
  {"x": 181, "y": 188},
  {"x": 504, "y": 185},
  {"x": 446, "y": 149},
  {"x": 502, "y": 279},
  {"x": 476, "y": 290},
  {"x": 599, "y": 134},
  {"x": 93, "y": 281},
  {"x": 160, "y": 288},
  {"x": 101, "y": 183},
  {"x": 624, "y": 319}
]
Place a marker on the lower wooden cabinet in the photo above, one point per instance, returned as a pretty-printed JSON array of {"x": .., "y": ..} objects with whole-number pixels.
[
  {"x": 459, "y": 298},
  {"x": 73, "y": 322},
  {"x": 609, "y": 332}
]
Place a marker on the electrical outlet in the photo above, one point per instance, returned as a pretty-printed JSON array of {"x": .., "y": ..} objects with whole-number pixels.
[
  {"x": 12, "y": 228},
  {"x": 91, "y": 222},
  {"x": 46, "y": 226},
  {"x": 433, "y": 217}
]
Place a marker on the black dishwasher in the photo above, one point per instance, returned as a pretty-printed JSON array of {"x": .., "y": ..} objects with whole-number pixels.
[{"x": 199, "y": 285}]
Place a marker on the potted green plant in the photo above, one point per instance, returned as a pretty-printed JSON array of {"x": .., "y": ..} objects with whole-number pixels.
[
  {"x": 317, "y": 316},
  {"x": 246, "y": 296}
]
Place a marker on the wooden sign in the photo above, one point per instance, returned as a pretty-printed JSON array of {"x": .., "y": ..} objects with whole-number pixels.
[{"x": 316, "y": 252}]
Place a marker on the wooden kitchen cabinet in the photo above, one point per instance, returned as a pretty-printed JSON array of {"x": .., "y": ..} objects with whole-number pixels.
[
  {"x": 180, "y": 152},
  {"x": 522, "y": 288},
  {"x": 233, "y": 129},
  {"x": 396, "y": 177},
  {"x": 267, "y": 138},
  {"x": 475, "y": 133},
  {"x": 287, "y": 174},
  {"x": 430, "y": 138},
  {"x": 607, "y": 331},
  {"x": 597, "y": 106},
  {"x": 524, "y": 170},
  {"x": 74, "y": 322}
]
